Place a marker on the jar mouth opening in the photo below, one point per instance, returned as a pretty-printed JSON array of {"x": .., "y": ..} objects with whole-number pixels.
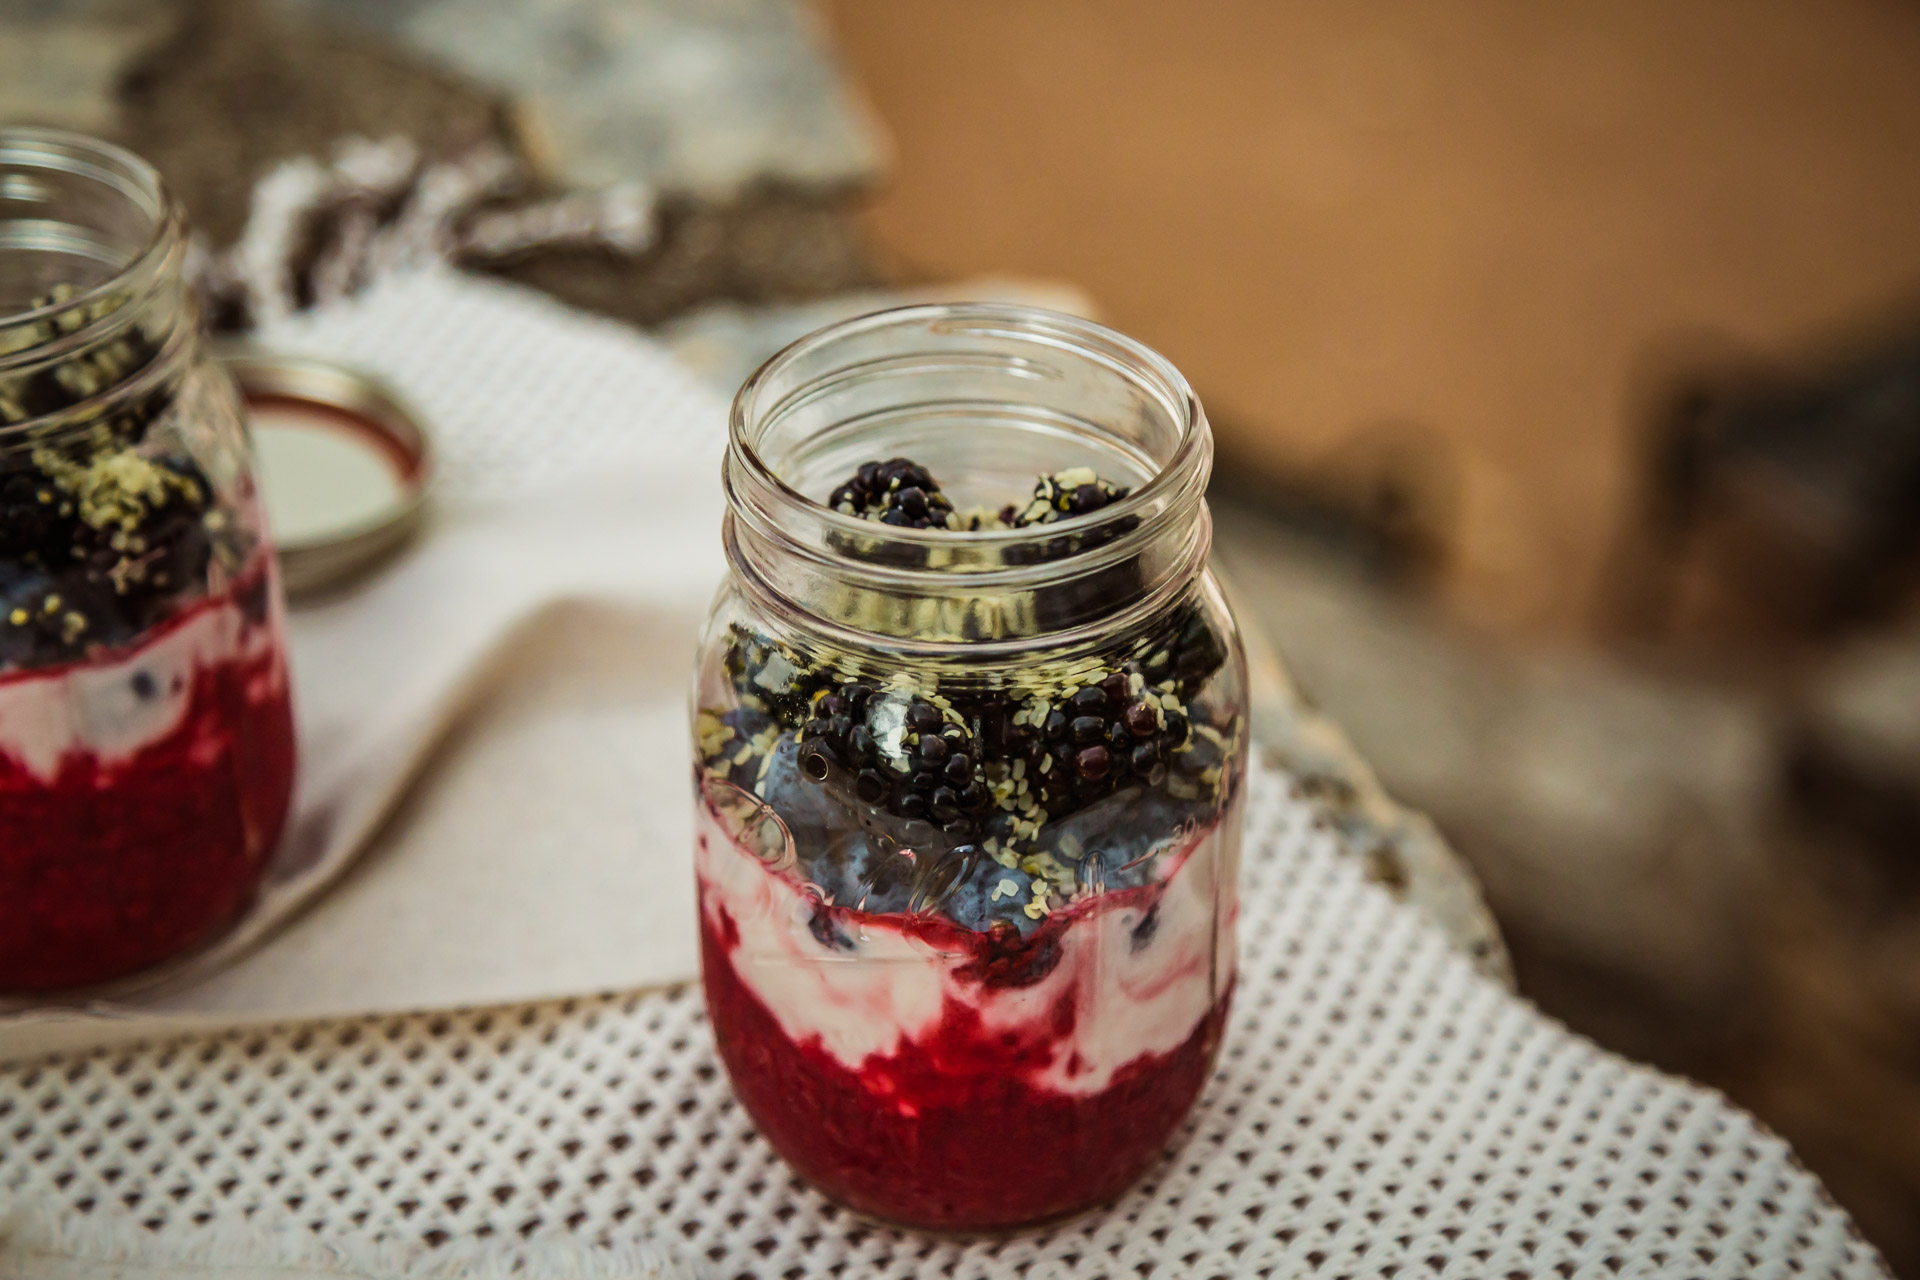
[
  {"x": 1084, "y": 339},
  {"x": 132, "y": 270}
]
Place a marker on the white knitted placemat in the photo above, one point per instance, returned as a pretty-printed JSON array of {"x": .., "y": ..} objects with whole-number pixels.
[{"x": 1380, "y": 1110}]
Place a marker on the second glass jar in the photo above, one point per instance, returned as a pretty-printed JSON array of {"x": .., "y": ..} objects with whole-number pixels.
[
  {"x": 970, "y": 738},
  {"x": 146, "y": 730}
]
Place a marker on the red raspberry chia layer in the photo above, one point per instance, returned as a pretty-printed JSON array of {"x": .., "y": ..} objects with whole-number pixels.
[
  {"x": 928, "y": 1073},
  {"x": 141, "y": 791}
]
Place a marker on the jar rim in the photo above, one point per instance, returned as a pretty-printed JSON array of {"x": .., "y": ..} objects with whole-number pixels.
[
  {"x": 987, "y": 589},
  {"x": 1086, "y": 338},
  {"x": 127, "y": 173}
]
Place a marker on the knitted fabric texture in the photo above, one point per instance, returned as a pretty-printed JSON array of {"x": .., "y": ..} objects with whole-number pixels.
[{"x": 1380, "y": 1110}]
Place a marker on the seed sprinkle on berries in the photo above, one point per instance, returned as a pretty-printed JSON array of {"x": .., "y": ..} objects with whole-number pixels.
[{"x": 956, "y": 775}]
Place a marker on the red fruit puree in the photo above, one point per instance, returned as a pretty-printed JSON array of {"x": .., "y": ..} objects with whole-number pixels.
[
  {"x": 960, "y": 1123},
  {"x": 141, "y": 791}
]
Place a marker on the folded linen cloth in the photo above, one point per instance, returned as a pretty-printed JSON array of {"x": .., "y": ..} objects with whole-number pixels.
[{"x": 528, "y": 658}]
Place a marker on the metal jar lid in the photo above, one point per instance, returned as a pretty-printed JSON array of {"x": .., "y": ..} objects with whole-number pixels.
[{"x": 343, "y": 465}]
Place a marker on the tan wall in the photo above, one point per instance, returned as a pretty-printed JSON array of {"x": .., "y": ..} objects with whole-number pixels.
[{"x": 1473, "y": 216}]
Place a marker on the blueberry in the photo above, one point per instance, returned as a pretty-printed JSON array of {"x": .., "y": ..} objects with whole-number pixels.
[
  {"x": 1092, "y": 763},
  {"x": 959, "y": 770},
  {"x": 934, "y": 750},
  {"x": 1140, "y": 720},
  {"x": 923, "y": 717},
  {"x": 1086, "y": 730},
  {"x": 1177, "y": 729},
  {"x": 1091, "y": 701},
  {"x": 992, "y": 895},
  {"x": 1056, "y": 727}
]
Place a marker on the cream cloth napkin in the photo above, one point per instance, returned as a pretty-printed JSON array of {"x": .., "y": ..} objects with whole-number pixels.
[{"x": 493, "y": 780}]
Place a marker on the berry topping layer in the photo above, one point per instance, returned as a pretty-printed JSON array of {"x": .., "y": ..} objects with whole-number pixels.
[{"x": 106, "y": 525}]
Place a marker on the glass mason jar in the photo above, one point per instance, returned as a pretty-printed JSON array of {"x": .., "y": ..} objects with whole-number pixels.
[
  {"x": 970, "y": 754},
  {"x": 146, "y": 738}
]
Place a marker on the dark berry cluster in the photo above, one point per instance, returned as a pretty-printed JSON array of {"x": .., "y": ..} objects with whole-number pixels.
[
  {"x": 1062, "y": 496},
  {"x": 931, "y": 773},
  {"x": 974, "y": 764},
  {"x": 1010, "y": 796},
  {"x": 100, "y": 534},
  {"x": 897, "y": 492},
  {"x": 770, "y": 677},
  {"x": 1191, "y": 653},
  {"x": 1099, "y": 738},
  {"x": 69, "y": 584}
]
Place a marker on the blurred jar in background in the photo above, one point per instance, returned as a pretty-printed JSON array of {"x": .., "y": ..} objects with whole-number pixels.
[{"x": 146, "y": 733}]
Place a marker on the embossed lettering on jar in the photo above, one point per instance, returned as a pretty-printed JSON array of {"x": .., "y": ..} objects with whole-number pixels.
[
  {"x": 970, "y": 738},
  {"x": 146, "y": 737}
]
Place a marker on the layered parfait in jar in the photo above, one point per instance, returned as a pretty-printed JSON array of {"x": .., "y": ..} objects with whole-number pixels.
[
  {"x": 146, "y": 735},
  {"x": 969, "y": 768}
]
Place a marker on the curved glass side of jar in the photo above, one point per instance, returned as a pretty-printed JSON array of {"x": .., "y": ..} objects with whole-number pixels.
[
  {"x": 146, "y": 731},
  {"x": 967, "y": 906}
]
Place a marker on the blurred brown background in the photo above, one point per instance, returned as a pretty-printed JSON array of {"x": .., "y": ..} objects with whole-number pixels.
[{"x": 1470, "y": 224}]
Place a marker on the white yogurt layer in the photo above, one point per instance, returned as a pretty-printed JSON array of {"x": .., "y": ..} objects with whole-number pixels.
[
  {"x": 113, "y": 708},
  {"x": 892, "y": 987}
]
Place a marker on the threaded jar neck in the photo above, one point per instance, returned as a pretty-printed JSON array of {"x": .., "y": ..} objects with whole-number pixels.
[
  {"x": 987, "y": 398},
  {"x": 94, "y": 307}
]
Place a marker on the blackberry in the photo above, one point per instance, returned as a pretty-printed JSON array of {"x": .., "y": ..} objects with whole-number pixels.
[
  {"x": 1189, "y": 656},
  {"x": 114, "y": 535},
  {"x": 898, "y": 492},
  {"x": 770, "y": 676},
  {"x": 929, "y": 776},
  {"x": 1063, "y": 495},
  {"x": 119, "y": 539}
]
